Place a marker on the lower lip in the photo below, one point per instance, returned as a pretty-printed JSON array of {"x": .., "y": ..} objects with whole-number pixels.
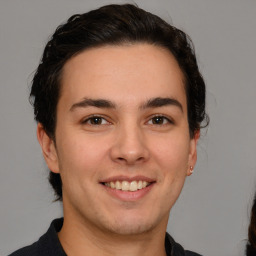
[{"x": 129, "y": 195}]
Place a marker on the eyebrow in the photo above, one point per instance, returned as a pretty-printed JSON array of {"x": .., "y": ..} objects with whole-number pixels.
[
  {"x": 98, "y": 103},
  {"x": 161, "y": 102},
  {"x": 151, "y": 103}
]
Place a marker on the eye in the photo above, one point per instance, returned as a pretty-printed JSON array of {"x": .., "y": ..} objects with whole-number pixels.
[
  {"x": 159, "y": 120},
  {"x": 95, "y": 120}
]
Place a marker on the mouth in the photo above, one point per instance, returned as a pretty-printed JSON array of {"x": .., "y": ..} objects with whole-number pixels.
[
  {"x": 125, "y": 185},
  {"x": 128, "y": 189}
]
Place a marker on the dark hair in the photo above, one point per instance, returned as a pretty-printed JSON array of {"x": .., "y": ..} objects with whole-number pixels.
[
  {"x": 251, "y": 245},
  {"x": 112, "y": 25}
]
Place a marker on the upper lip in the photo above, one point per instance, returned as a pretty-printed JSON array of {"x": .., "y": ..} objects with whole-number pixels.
[{"x": 126, "y": 178}]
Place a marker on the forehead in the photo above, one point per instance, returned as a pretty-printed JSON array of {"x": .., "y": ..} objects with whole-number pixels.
[{"x": 122, "y": 73}]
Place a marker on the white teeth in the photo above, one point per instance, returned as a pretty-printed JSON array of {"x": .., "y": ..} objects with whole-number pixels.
[
  {"x": 112, "y": 184},
  {"x": 133, "y": 186},
  {"x": 118, "y": 185},
  {"x": 127, "y": 186},
  {"x": 140, "y": 184}
]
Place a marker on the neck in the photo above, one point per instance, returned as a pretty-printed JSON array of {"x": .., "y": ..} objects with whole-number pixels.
[{"x": 78, "y": 238}]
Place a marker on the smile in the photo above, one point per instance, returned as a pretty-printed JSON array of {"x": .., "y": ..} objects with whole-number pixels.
[{"x": 127, "y": 186}]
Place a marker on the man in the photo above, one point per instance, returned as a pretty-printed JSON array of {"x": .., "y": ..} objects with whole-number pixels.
[{"x": 119, "y": 100}]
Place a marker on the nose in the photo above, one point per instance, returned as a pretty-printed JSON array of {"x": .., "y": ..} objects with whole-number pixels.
[{"x": 130, "y": 146}]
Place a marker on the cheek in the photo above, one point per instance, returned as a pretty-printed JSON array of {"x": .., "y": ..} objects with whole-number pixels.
[
  {"x": 78, "y": 167},
  {"x": 172, "y": 153},
  {"x": 81, "y": 156}
]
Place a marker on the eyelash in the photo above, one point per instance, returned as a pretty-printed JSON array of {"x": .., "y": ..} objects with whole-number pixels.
[
  {"x": 87, "y": 120},
  {"x": 165, "y": 119},
  {"x": 162, "y": 118}
]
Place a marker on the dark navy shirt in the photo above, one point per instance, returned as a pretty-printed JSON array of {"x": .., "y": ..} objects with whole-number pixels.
[{"x": 49, "y": 245}]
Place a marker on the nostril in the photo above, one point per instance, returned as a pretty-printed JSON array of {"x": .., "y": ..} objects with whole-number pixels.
[
  {"x": 131, "y": 160},
  {"x": 129, "y": 154}
]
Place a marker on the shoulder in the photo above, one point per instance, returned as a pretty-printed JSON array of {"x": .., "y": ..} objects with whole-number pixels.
[
  {"x": 27, "y": 251},
  {"x": 48, "y": 244},
  {"x": 189, "y": 253},
  {"x": 174, "y": 248}
]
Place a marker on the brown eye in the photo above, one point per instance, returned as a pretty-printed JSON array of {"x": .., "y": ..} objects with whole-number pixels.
[
  {"x": 159, "y": 120},
  {"x": 96, "y": 120}
]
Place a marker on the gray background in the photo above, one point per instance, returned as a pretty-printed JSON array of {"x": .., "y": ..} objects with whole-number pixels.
[{"x": 211, "y": 215}]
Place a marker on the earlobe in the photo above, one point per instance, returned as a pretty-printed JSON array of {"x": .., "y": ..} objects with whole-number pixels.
[
  {"x": 191, "y": 170},
  {"x": 48, "y": 149},
  {"x": 193, "y": 153}
]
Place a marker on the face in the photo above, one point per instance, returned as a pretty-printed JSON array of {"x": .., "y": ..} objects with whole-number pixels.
[{"x": 122, "y": 144}]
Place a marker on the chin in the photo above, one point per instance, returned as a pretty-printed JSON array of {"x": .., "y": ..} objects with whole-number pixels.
[
  {"x": 132, "y": 225},
  {"x": 131, "y": 229}
]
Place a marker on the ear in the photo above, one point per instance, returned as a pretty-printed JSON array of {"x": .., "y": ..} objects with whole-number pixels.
[
  {"x": 48, "y": 148},
  {"x": 193, "y": 153}
]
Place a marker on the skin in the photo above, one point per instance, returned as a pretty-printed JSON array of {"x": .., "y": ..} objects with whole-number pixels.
[{"x": 129, "y": 138}]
